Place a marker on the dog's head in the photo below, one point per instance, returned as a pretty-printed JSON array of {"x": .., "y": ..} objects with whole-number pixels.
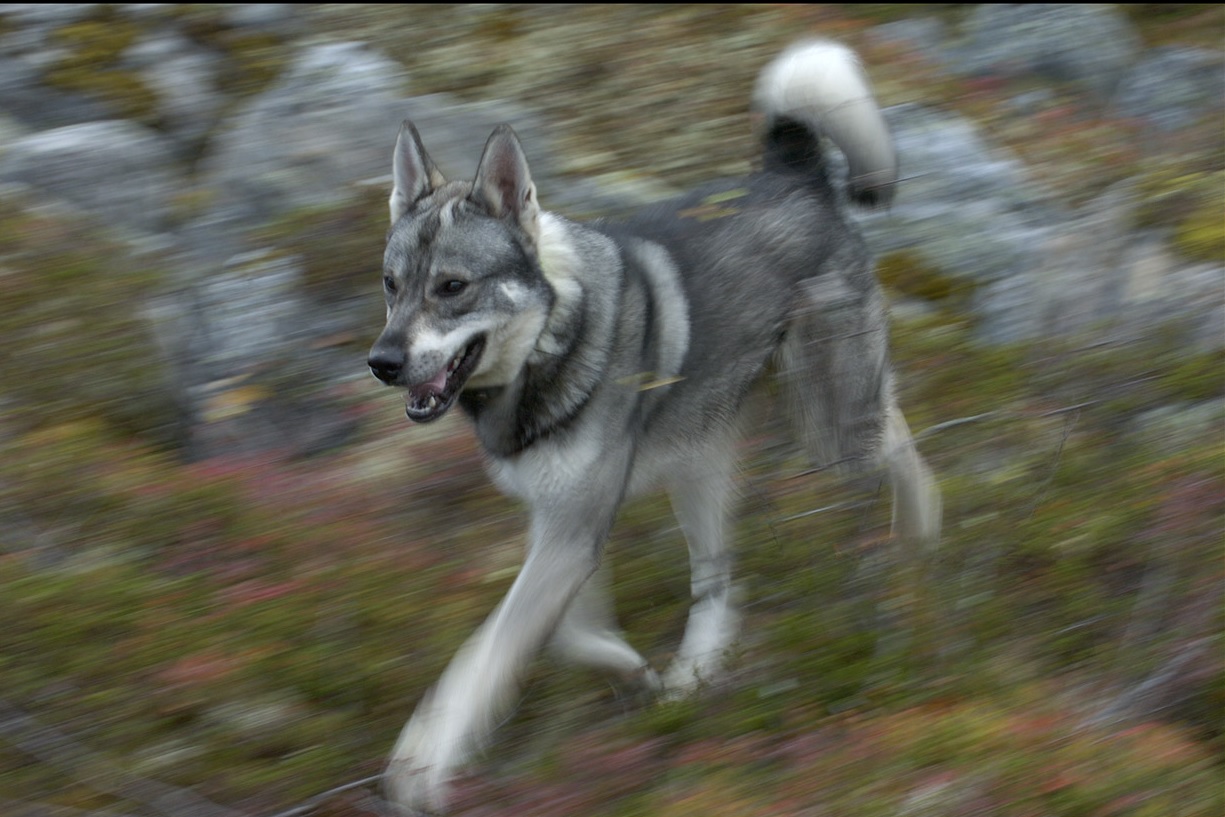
[{"x": 466, "y": 297}]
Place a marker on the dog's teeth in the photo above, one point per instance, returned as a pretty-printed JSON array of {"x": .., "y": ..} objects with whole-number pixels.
[{"x": 433, "y": 402}]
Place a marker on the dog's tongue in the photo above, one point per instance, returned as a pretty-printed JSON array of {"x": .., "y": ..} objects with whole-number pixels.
[{"x": 434, "y": 386}]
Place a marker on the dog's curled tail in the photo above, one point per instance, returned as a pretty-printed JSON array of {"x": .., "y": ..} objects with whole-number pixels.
[{"x": 818, "y": 88}]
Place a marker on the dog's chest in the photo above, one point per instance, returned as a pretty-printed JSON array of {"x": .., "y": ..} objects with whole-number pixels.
[
  {"x": 547, "y": 470},
  {"x": 588, "y": 463}
]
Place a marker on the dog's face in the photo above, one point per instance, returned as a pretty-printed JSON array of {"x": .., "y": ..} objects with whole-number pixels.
[{"x": 466, "y": 298}]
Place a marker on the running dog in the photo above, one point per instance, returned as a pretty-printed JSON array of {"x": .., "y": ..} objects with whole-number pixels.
[{"x": 599, "y": 360}]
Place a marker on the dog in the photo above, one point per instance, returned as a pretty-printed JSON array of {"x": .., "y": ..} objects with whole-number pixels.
[{"x": 598, "y": 360}]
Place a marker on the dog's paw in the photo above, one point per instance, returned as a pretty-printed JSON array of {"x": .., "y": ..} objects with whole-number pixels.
[
  {"x": 686, "y": 678},
  {"x": 647, "y": 680},
  {"x": 417, "y": 776},
  {"x": 704, "y": 652},
  {"x": 415, "y": 789}
]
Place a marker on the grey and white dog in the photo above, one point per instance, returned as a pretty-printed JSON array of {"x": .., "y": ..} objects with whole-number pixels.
[{"x": 599, "y": 360}]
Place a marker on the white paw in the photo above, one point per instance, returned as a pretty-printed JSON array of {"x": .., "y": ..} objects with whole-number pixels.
[
  {"x": 679, "y": 682},
  {"x": 420, "y": 768},
  {"x": 687, "y": 676},
  {"x": 649, "y": 679},
  {"x": 711, "y": 631}
]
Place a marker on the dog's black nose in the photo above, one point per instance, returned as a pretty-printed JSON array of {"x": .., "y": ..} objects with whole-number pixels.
[{"x": 386, "y": 364}]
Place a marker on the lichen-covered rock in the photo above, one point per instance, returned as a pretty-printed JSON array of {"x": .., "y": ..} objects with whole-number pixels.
[
  {"x": 330, "y": 122},
  {"x": 254, "y": 369},
  {"x": 973, "y": 218},
  {"x": 116, "y": 171},
  {"x": 925, "y": 36},
  {"x": 968, "y": 210},
  {"x": 183, "y": 76},
  {"x": 1172, "y": 88},
  {"x": 1089, "y": 46}
]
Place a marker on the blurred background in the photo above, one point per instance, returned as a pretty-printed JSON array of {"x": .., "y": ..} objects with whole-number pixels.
[{"x": 229, "y": 567}]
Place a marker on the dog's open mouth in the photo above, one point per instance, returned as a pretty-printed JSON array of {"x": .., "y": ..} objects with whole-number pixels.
[{"x": 430, "y": 400}]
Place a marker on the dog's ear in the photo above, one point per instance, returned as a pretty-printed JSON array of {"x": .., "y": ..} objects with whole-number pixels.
[
  {"x": 504, "y": 183},
  {"x": 413, "y": 172}
]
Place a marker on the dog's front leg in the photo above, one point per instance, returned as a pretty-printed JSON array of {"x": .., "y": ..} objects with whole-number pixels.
[{"x": 455, "y": 717}]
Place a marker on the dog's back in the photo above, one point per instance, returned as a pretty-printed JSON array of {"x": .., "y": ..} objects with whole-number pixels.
[{"x": 773, "y": 272}]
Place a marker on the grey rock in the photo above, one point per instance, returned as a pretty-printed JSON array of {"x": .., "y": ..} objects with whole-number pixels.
[
  {"x": 1179, "y": 427},
  {"x": 1039, "y": 269},
  {"x": 248, "y": 313},
  {"x": 968, "y": 210},
  {"x": 183, "y": 76},
  {"x": 1089, "y": 46},
  {"x": 25, "y": 98},
  {"x": 925, "y": 36},
  {"x": 277, "y": 18},
  {"x": 249, "y": 379},
  {"x": 146, "y": 11},
  {"x": 301, "y": 142},
  {"x": 255, "y": 719},
  {"x": 1100, "y": 276},
  {"x": 118, "y": 172},
  {"x": 1079, "y": 284},
  {"x": 28, "y": 50},
  {"x": 331, "y": 122},
  {"x": 1172, "y": 88},
  {"x": 36, "y": 15},
  {"x": 10, "y": 131}
]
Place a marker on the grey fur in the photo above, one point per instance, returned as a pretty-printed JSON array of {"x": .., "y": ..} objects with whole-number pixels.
[{"x": 601, "y": 360}]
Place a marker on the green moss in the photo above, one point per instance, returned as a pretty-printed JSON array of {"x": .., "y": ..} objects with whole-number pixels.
[
  {"x": 125, "y": 90},
  {"x": 339, "y": 246},
  {"x": 93, "y": 50},
  {"x": 1160, "y": 12},
  {"x": 255, "y": 61},
  {"x": 202, "y": 22},
  {"x": 1195, "y": 376},
  {"x": 1190, "y": 201},
  {"x": 1202, "y": 235},
  {"x": 90, "y": 65},
  {"x": 78, "y": 346},
  {"x": 906, "y": 271},
  {"x": 97, "y": 42},
  {"x": 503, "y": 25}
]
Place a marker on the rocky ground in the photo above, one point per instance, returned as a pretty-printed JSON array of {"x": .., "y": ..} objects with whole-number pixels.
[{"x": 223, "y": 551}]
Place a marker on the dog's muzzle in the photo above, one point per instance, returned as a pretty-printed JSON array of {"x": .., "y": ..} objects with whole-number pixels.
[{"x": 430, "y": 399}]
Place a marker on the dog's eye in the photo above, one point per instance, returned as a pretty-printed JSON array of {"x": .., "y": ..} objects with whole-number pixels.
[
  {"x": 452, "y": 287},
  {"x": 389, "y": 283}
]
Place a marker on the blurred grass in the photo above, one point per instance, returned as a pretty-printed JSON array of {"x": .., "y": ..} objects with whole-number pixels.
[{"x": 258, "y": 629}]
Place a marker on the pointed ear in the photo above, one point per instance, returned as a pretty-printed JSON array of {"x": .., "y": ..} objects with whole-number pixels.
[
  {"x": 503, "y": 182},
  {"x": 413, "y": 172}
]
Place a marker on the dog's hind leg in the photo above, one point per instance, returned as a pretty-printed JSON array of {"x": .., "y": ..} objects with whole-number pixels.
[
  {"x": 700, "y": 500},
  {"x": 588, "y": 635},
  {"x": 835, "y": 369},
  {"x": 916, "y": 497}
]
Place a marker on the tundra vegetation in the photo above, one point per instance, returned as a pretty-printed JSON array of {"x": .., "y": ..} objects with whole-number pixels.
[{"x": 239, "y": 633}]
